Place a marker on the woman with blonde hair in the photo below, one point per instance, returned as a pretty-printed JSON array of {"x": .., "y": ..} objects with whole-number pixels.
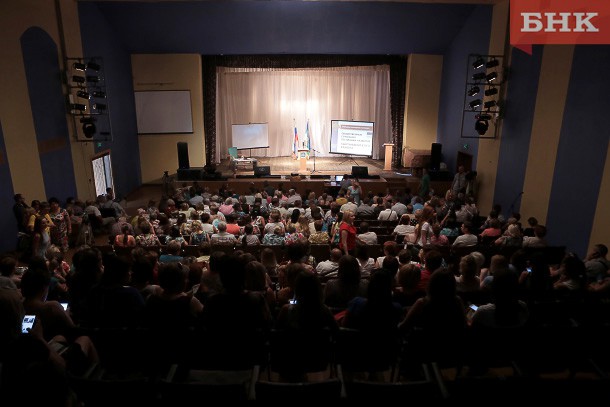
[{"x": 423, "y": 230}]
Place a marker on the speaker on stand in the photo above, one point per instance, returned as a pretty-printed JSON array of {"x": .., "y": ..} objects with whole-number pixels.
[
  {"x": 435, "y": 156},
  {"x": 183, "y": 156}
]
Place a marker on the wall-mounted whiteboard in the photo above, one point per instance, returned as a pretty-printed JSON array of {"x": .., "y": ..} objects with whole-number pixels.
[
  {"x": 252, "y": 135},
  {"x": 163, "y": 112}
]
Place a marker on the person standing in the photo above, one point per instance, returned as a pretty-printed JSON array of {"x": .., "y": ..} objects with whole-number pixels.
[
  {"x": 19, "y": 210},
  {"x": 424, "y": 185},
  {"x": 355, "y": 191},
  {"x": 63, "y": 225},
  {"x": 459, "y": 181},
  {"x": 347, "y": 241}
]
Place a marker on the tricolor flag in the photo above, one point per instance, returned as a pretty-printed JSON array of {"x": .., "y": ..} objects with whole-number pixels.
[{"x": 308, "y": 138}]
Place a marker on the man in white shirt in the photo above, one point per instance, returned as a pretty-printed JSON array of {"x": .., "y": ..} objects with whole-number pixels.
[
  {"x": 399, "y": 207},
  {"x": 467, "y": 238},
  {"x": 387, "y": 213},
  {"x": 222, "y": 237},
  {"x": 349, "y": 206},
  {"x": 329, "y": 268},
  {"x": 366, "y": 236},
  {"x": 365, "y": 209}
]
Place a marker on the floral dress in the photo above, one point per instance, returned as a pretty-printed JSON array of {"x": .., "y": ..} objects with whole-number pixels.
[{"x": 59, "y": 234}]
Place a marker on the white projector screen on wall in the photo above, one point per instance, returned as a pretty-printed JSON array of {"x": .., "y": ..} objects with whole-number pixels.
[
  {"x": 250, "y": 136},
  {"x": 351, "y": 137},
  {"x": 164, "y": 112}
]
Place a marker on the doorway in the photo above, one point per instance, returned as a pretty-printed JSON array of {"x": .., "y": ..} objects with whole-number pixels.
[
  {"x": 464, "y": 159},
  {"x": 102, "y": 173}
]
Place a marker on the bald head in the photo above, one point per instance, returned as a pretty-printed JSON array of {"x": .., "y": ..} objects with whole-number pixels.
[{"x": 335, "y": 254}]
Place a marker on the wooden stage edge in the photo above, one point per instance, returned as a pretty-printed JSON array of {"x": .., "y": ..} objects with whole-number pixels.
[{"x": 304, "y": 185}]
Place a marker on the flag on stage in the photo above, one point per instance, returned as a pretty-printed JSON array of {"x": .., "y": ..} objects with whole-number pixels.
[
  {"x": 308, "y": 138},
  {"x": 295, "y": 153}
]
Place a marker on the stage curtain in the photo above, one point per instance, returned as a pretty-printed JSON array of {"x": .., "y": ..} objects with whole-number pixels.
[
  {"x": 285, "y": 98},
  {"x": 211, "y": 66}
]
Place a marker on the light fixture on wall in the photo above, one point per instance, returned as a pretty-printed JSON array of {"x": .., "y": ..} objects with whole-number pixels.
[
  {"x": 479, "y": 76},
  {"x": 491, "y": 91},
  {"x": 87, "y": 99},
  {"x": 485, "y": 75},
  {"x": 478, "y": 63},
  {"x": 492, "y": 63},
  {"x": 88, "y": 126}
]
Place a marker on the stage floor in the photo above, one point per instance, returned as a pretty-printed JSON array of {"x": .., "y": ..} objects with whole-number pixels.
[{"x": 323, "y": 166}]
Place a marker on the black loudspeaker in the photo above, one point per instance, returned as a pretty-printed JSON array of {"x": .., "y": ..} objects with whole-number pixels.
[
  {"x": 360, "y": 172},
  {"x": 183, "y": 155},
  {"x": 262, "y": 170},
  {"x": 435, "y": 156}
]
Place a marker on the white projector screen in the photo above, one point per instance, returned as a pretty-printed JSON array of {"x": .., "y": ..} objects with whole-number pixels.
[
  {"x": 252, "y": 135},
  {"x": 163, "y": 112},
  {"x": 352, "y": 138}
]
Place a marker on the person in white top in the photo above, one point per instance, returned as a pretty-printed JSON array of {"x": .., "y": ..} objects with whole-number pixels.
[
  {"x": 467, "y": 238},
  {"x": 366, "y": 236},
  {"x": 387, "y": 213},
  {"x": 329, "y": 268},
  {"x": 423, "y": 230}
]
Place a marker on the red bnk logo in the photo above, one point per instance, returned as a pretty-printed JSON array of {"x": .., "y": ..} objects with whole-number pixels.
[{"x": 559, "y": 22}]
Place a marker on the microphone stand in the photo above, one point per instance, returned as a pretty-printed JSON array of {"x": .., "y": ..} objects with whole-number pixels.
[{"x": 314, "y": 161}]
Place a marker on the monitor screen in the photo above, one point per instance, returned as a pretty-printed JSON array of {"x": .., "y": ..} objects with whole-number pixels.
[
  {"x": 338, "y": 178},
  {"x": 351, "y": 137}
]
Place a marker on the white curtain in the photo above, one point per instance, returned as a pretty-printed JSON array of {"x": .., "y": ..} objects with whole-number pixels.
[{"x": 288, "y": 98}]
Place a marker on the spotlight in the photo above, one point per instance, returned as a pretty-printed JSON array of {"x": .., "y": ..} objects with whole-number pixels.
[
  {"x": 483, "y": 116},
  {"x": 98, "y": 94},
  {"x": 89, "y": 128},
  {"x": 78, "y": 66},
  {"x": 475, "y": 103},
  {"x": 478, "y": 76},
  {"x": 492, "y": 77},
  {"x": 99, "y": 106},
  {"x": 93, "y": 66},
  {"x": 481, "y": 126},
  {"x": 91, "y": 78},
  {"x": 474, "y": 91},
  {"x": 478, "y": 63},
  {"x": 493, "y": 63},
  {"x": 82, "y": 94},
  {"x": 78, "y": 79},
  {"x": 491, "y": 91},
  {"x": 490, "y": 103},
  {"x": 78, "y": 106}
]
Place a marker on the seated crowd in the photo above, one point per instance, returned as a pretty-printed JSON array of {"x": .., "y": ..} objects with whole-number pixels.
[{"x": 249, "y": 287}]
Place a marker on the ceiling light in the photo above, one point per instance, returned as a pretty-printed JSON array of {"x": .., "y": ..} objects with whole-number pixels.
[
  {"x": 89, "y": 128},
  {"x": 490, "y": 103},
  {"x": 78, "y": 66},
  {"x": 82, "y": 94},
  {"x": 493, "y": 63},
  {"x": 478, "y": 63},
  {"x": 78, "y": 106},
  {"x": 474, "y": 91},
  {"x": 490, "y": 78},
  {"x": 78, "y": 79},
  {"x": 99, "y": 106},
  {"x": 481, "y": 126},
  {"x": 475, "y": 103},
  {"x": 98, "y": 94},
  {"x": 491, "y": 91},
  {"x": 93, "y": 66},
  {"x": 92, "y": 78},
  {"x": 478, "y": 76}
]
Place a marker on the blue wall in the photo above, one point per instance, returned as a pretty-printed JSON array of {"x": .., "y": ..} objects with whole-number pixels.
[
  {"x": 517, "y": 128},
  {"x": 582, "y": 150},
  {"x": 100, "y": 40},
  {"x": 472, "y": 39},
  {"x": 292, "y": 27},
  {"x": 44, "y": 79},
  {"x": 8, "y": 223}
]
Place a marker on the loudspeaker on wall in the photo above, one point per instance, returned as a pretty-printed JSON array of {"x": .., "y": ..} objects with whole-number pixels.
[
  {"x": 183, "y": 155},
  {"x": 436, "y": 156},
  {"x": 262, "y": 170}
]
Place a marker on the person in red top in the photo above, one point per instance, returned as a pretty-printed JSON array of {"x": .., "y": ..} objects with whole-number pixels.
[
  {"x": 347, "y": 242},
  {"x": 232, "y": 226}
]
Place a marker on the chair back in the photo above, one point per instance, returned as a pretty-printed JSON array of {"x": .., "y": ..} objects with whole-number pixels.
[{"x": 233, "y": 152}]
